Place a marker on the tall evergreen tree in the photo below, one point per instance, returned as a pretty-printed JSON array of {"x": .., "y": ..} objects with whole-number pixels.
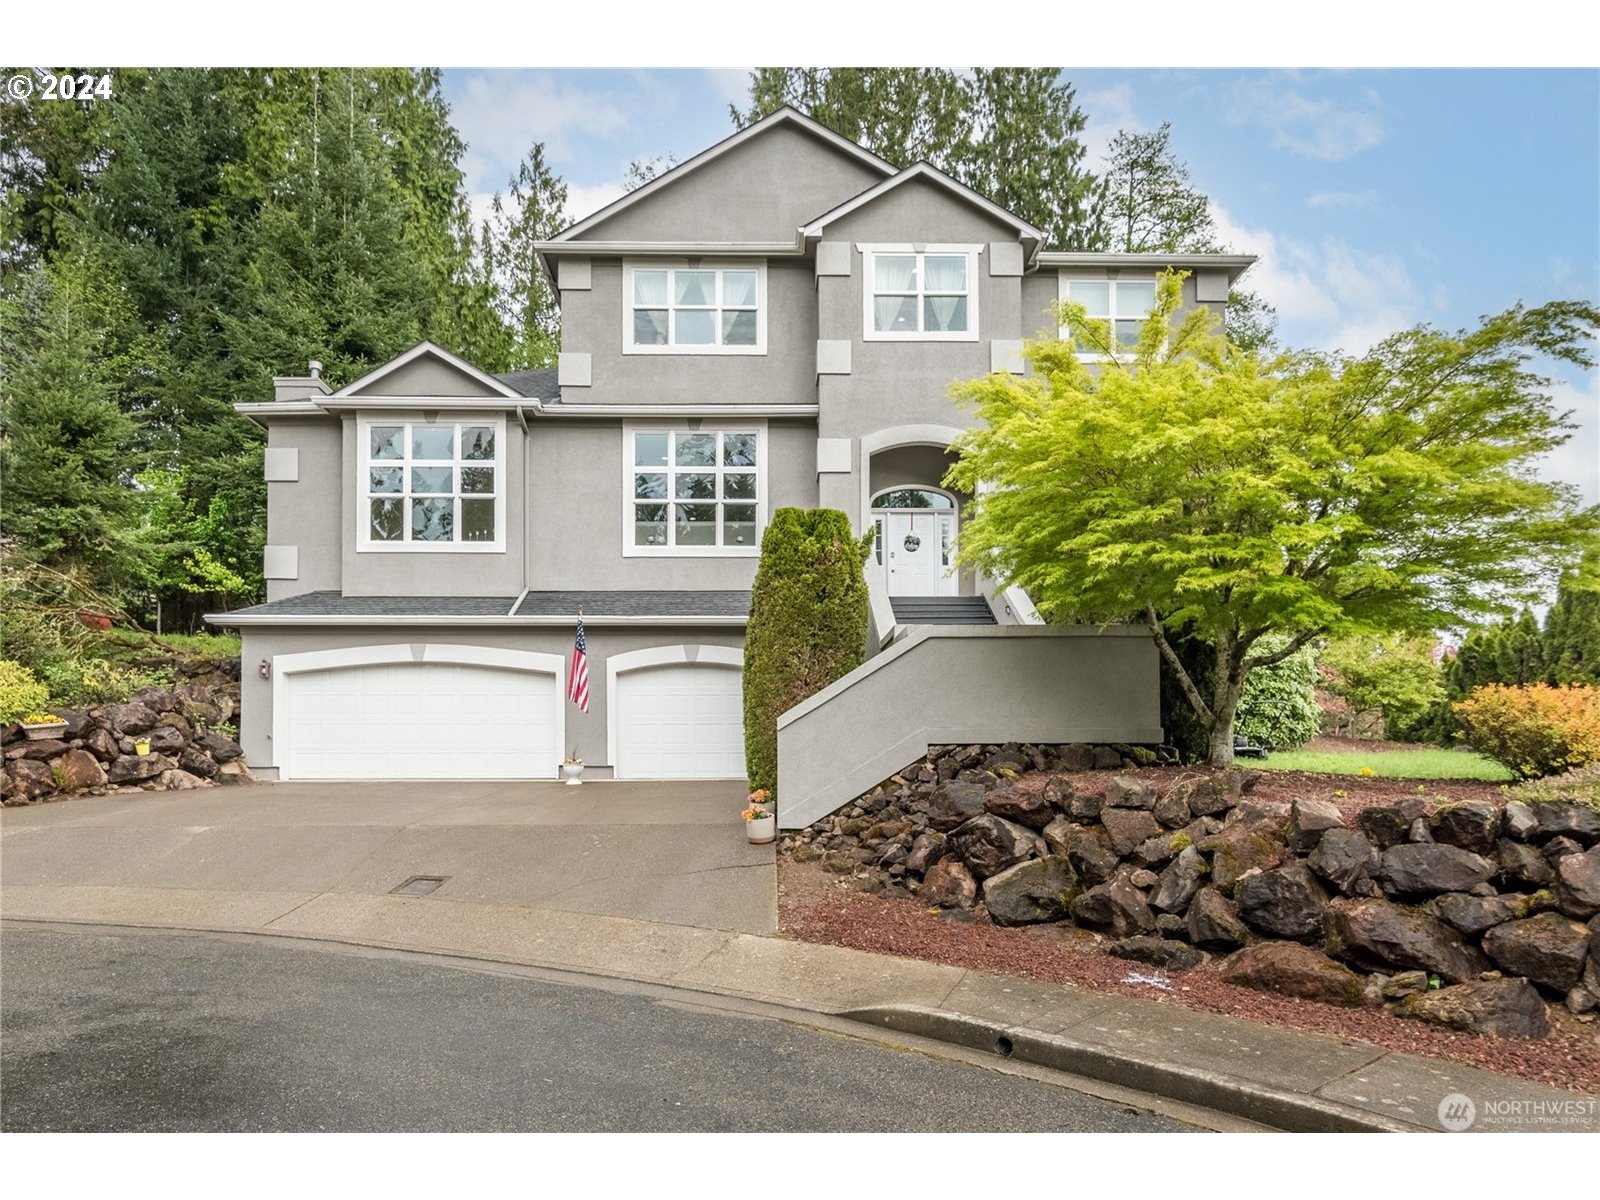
[
  {"x": 1012, "y": 134},
  {"x": 1572, "y": 632},
  {"x": 532, "y": 210}
]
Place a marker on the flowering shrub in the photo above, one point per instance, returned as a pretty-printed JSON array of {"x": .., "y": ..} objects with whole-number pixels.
[
  {"x": 1534, "y": 729},
  {"x": 20, "y": 692}
]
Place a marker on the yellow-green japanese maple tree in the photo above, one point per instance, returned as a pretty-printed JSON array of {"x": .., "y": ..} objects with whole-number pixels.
[{"x": 1191, "y": 485}]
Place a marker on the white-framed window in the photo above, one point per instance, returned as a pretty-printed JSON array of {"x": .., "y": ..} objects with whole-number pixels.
[
  {"x": 920, "y": 293},
  {"x": 1123, "y": 303},
  {"x": 700, "y": 308},
  {"x": 694, "y": 491},
  {"x": 431, "y": 485}
]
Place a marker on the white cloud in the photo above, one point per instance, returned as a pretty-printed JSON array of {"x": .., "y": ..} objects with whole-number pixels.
[
  {"x": 1109, "y": 111},
  {"x": 1314, "y": 128},
  {"x": 1334, "y": 296},
  {"x": 584, "y": 199},
  {"x": 1342, "y": 199},
  {"x": 1578, "y": 462},
  {"x": 731, "y": 86},
  {"x": 502, "y": 113}
]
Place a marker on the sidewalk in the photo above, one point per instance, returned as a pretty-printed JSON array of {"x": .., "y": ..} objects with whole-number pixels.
[{"x": 1280, "y": 1077}]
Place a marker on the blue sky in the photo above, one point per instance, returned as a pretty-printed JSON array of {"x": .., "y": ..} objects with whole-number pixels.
[{"x": 1377, "y": 199}]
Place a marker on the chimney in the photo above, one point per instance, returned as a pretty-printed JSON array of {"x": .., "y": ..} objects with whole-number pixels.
[{"x": 300, "y": 387}]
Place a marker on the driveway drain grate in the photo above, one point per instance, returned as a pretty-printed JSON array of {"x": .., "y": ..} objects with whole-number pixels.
[{"x": 419, "y": 885}]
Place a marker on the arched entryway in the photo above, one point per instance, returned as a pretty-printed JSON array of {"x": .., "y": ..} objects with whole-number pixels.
[{"x": 915, "y": 537}]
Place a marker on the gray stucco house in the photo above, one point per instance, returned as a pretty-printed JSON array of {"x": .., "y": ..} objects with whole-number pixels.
[{"x": 774, "y": 322}]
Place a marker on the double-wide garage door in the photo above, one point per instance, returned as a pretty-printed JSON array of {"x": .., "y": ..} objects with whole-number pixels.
[{"x": 423, "y": 721}]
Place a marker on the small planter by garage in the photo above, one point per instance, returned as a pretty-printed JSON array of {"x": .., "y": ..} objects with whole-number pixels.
[
  {"x": 761, "y": 830},
  {"x": 572, "y": 772},
  {"x": 43, "y": 730}
]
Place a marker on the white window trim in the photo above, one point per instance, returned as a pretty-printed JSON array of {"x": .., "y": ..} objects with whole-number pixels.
[
  {"x": 367, "y": 544},
  {"x": 629, "y": 550},
  {"x": 871, "y": 249},
  {"x": 630, "y": 265},
  {"x": 1064, "y": 278}
]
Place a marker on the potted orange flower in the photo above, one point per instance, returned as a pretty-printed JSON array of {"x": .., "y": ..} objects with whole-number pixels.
[{"x": 760, "y": 825}]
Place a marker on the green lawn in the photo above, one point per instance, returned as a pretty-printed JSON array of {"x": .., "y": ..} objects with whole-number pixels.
[{"x": 1421, "y": 763}]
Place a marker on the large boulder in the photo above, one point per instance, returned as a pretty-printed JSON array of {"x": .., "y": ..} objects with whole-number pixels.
[
  {"x": 135, "y": 768},
  {"x": 1578, "y": 884},
  {"x": 1473, "y": 915},
  {"x": 197, "y": 763},
  {"x": 101, "y": 742},
  {"x": 1548, "y": 949},
  {"x": 1380, "y": 934},
  {"x": 1180, "y": 881},
  {"x": 1499, "y": 1007},
  {"x": 926, "y": 850},
  {"x": 164, "y": 739},
  {"x": 1128, "y": 791},
  {"x": 224, "y": 749},
  {"x": 42, "y": 749},
  {"x": 1472, "y": 825},
  {"x": 1209, "y": 795},
  {"x": 1031, "y": 892},
  {"x": 1087, "y": 847},
  {"x": 1428, "y": 868},
  {"x": 1308, "y": 819},
  {"x": 1024, "y": 808},
  {"x": 948, "y": 884},
  {"x": 1284, "y": 903},
  {"x": 1390, "y": 824},
  {"x": 1345, "y": 858},
  {"x": 1571, "y": 818},
  {"x": 177, "y": 780},
  {"x": 950, "y": 805},
  {"x": 1520, "y": 863},
  {"x": 1520, "y": 821},
  {"x": 28, "y": 779},
  {"x": 77, "y": 770},
  {"x": 1213, "y": 920},
  {"x": 1127, "y": 827},
  {"x": 1116, "y": 906},
  {"x": 1171, "y": 810},
  {"x": 1291, "y": 969},
  {"x": 989, "y": 844},
  {"x": 204, "y": 705},
  {"x": 1158, "y": 952},
  {"x": 130, "y": 719},
  {"x": 1242, "y": 848}
]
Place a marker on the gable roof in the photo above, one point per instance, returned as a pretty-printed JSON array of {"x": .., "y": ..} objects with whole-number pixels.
[
  {"x": 926, "y": 171},
  {"x": 499, "y": 387},
  {"x": 784, "y": 116}
]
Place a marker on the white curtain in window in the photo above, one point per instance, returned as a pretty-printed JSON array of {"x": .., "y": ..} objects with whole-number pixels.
[
  {"x": 945, "y": 273},
  {"x": 896, "y": 273}
]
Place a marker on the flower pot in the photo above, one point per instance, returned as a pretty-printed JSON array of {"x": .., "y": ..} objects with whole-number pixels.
[
  {"x": 762, "y": 830},
  {"x": 38, "y": 733},
  {"x": 572, "y": 773},
  {"x": 141, "y": 746}
]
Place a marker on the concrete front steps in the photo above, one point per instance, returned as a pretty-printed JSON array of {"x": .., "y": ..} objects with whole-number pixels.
[{"x": 941, "y": 610}]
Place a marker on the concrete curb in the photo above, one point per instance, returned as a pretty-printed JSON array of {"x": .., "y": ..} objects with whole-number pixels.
[{"x": 1294, "y": 1112}]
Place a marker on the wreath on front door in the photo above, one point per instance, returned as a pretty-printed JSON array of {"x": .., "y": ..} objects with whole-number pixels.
[{"x": 912, "y": 542}]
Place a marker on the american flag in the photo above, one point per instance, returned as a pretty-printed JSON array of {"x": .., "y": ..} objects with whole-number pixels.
[{"x": 578, "y": 677}]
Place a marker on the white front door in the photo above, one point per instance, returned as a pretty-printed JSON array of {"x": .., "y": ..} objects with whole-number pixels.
[{"x": 917, "y": 546}]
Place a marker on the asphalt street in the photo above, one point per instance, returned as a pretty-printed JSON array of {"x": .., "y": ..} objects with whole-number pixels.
[{"x": 166, "y": 1032}]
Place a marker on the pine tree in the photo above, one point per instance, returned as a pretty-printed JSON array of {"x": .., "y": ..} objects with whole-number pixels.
[
  {"x": 532, "y": 210},
  {"x": 1571, "y": 648}
]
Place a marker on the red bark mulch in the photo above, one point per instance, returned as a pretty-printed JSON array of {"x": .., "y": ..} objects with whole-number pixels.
[{"x": 814, "y": 906}]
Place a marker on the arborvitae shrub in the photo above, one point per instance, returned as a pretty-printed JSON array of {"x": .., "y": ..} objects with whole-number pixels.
[{"x": 807, "y": 627}]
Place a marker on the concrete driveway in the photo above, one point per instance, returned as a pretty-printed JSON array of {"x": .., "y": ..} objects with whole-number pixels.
[{"x": 673, "y": 853}]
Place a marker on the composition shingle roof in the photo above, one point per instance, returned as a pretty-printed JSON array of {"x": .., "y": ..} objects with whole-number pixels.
[
  {"x": 538, "y": 384},
  {"x": 595, "y": 604}
]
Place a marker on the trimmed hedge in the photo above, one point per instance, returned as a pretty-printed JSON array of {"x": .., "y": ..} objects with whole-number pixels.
[{"x": 808, "y": 624}]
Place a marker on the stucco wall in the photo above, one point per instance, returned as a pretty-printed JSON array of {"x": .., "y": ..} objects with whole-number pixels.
[
  {"x": 308, "y": 513},
  {"x": 586, "y": 731},
  {"x": 760, "y": 191},
  {"x": 575, "y": 528},
  {"x": 593, "y": 323},
  {"x": 1017, "y": 683}
]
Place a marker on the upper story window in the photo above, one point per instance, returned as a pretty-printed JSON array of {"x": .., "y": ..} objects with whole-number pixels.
[
  {"x": 431, "y": 486},
  {"x": 702, "y": 309},
  {"x": 921, "y": 294},
  {"x": 694, "y": 491},
  {"x": 1123, "y": 303}
]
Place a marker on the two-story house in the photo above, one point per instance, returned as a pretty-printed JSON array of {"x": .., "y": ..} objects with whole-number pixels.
[{"x": 776, "y": 321}]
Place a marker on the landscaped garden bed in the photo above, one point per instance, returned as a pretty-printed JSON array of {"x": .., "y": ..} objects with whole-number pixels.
[{"x": 1452, "y": 917}]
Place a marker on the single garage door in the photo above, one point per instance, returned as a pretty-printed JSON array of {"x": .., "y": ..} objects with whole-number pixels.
[
  {"x": 684, "y": 721},
  {"x": 422, "y": 721}
]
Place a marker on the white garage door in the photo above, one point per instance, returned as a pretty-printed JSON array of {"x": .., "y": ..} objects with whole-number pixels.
[
  {"x": 422, "y": 721},
  {"x": 680, "y": 722}
]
